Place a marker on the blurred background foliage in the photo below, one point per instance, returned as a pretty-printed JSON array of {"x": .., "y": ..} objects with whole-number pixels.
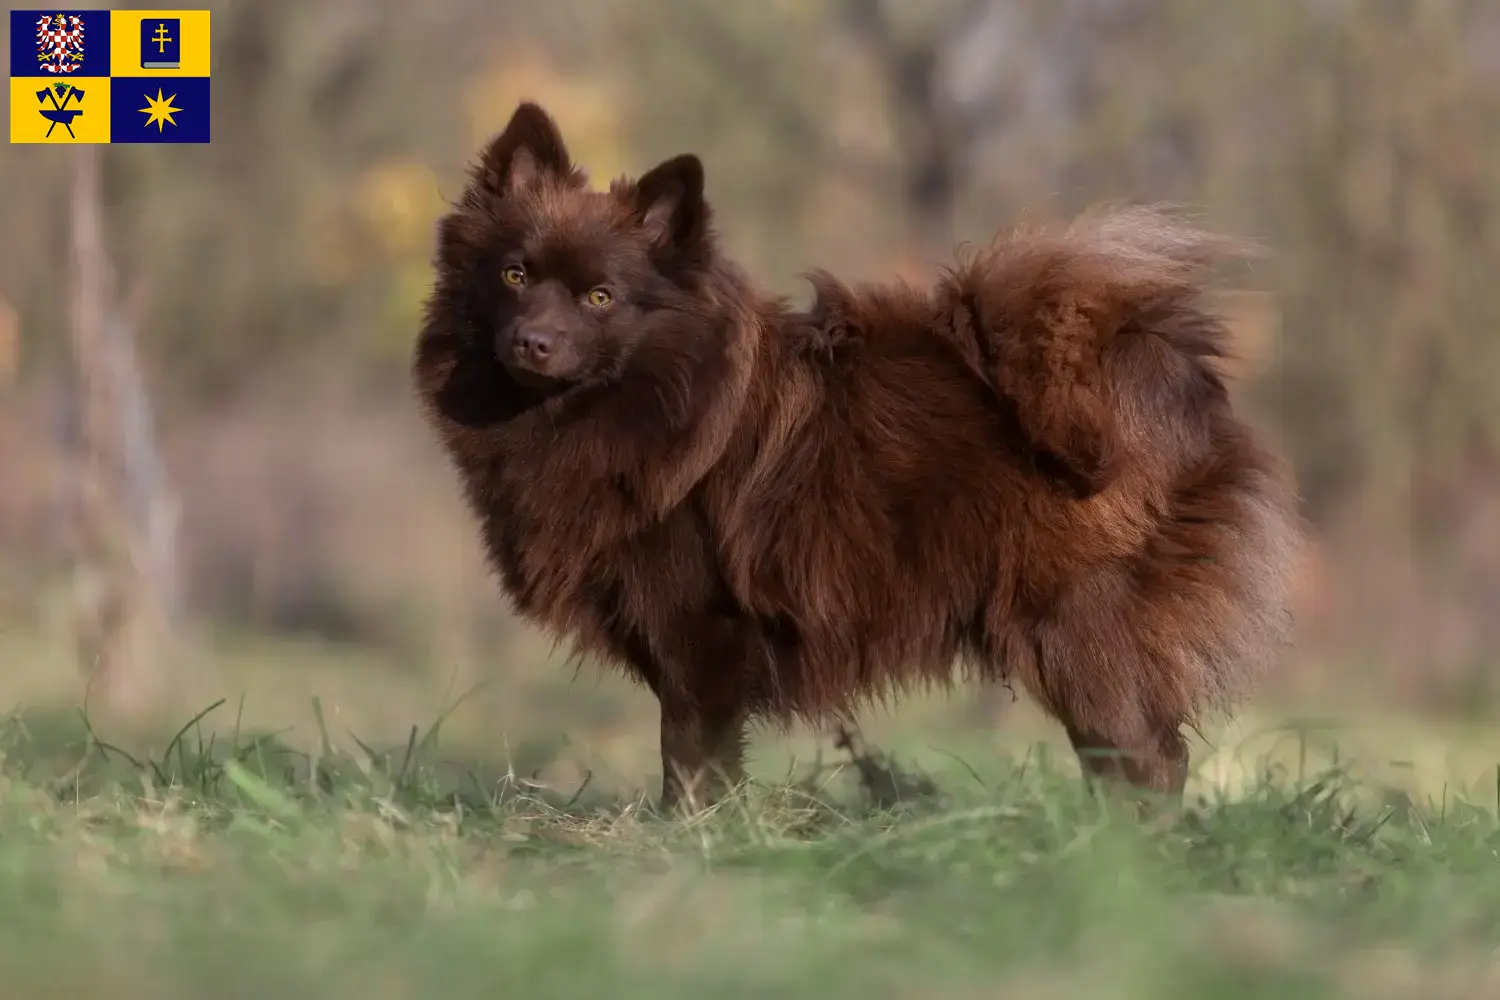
[{"x": 275, "y": 278}]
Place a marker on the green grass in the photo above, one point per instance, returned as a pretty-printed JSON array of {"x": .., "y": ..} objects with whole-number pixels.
[{"x": 236, "y": 866}]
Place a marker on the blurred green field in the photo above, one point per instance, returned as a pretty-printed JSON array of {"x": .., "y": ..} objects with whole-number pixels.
[
  {"x": 536, "y": 714},
  {"x": 333, "y": 824},
  {"x": 237, "y": 866}
]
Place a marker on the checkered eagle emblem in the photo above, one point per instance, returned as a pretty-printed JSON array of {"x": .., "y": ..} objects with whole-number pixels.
[{"x": 59, "y": 42}]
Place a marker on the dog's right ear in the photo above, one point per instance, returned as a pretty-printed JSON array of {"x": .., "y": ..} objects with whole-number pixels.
[{"x": 530, "y": 146}]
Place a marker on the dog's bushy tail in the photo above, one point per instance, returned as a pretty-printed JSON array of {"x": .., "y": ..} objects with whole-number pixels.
[
  {"x": 1097, "y": 338},
  {"x": 1036, "y": 308}
]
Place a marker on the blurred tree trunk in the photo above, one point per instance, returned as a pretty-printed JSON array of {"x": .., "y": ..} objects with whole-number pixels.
[
  {"x": 944, "y": 99},
  {"x": 126, "y": 558}
]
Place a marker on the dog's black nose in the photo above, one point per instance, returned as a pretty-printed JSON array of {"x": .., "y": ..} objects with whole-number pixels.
[{"x": 534, "y": 345}]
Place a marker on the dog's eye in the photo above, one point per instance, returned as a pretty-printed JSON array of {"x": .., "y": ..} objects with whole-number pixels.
[
  {"x": 514, "y": 275},
  {"x": 600, "y": 297}
]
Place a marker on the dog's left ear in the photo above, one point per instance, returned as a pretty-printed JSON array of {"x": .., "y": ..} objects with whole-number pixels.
[
  {"x": 669, "y": 205},
  {"x": 530, "y": 146}
]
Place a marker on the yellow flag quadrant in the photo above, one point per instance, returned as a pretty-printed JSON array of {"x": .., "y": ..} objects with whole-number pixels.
[
  {"x": 125, "y": 42},
  {"x": 88, "y": 96}
]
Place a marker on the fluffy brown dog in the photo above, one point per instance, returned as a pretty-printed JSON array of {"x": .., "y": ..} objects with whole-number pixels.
[{"x": 1031, "y": 469}]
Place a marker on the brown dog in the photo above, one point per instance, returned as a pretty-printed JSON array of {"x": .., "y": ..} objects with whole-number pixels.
[{"x": 1032, "y": 469}]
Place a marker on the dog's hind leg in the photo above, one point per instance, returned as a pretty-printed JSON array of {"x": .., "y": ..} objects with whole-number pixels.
[
  {"x": 1147, "y": 756},
  {"x": 1089, "y": 665},
  {"x": 1115, "y": 718}
]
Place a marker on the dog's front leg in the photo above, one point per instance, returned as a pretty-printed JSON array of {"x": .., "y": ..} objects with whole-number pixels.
[{"x": 702, "y": 752}]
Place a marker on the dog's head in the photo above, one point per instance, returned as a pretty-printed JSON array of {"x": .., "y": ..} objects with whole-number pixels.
[{"x": 565, "y": 282}]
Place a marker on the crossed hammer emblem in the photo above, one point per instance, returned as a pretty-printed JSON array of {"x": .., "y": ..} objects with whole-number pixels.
[{"x": 60, "y": 114}]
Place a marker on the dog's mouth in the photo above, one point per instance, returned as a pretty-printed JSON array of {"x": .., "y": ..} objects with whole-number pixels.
[{"x": 538, "y": 380}]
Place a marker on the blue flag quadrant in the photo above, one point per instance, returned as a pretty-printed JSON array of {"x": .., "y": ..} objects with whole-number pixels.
[
  {"x": 159, "y": 109},
  {"x": 59, "y": 45}
]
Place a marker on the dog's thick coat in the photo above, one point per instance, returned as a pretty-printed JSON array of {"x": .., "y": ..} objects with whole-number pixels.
[{"x": 1031, "y": 469}]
